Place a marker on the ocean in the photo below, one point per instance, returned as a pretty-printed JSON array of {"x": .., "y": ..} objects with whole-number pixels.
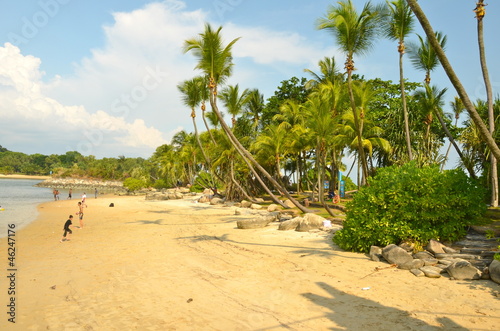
[{"x": 19, "y": 200}]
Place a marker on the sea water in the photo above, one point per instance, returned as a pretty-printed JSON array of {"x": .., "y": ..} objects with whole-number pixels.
[{"x": 19, "y": 199}]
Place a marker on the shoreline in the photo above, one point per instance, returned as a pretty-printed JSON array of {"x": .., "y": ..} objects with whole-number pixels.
[
  {"x": 179, "y": 265},
  {"x": 24, "y": 177}
]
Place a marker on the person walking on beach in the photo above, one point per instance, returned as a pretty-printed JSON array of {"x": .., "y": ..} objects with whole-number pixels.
[
  {"x": 67, "y": 230},
  {"x": 84, "y": 197},
  {"x": 70, "y": 192},
  {"x": 80, "y": 214}
]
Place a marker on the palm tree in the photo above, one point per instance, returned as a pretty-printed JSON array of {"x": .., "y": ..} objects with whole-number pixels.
[
  {"x": 480, "y": 13},
  {"x": 398, "y": 27},
  {"x": 423, "y": 56},
  {"x": 355, "y": 34},
  {"x": 328, "y": 73},
  {"x": 254, "y": 107},
  {"x": 215, "y": 61},
  {"x": 233, "y": 100},
  {"x": 458, "y": 107},
  {"x": 191, "y": 97},
  {"x": 469, "y": 106}
]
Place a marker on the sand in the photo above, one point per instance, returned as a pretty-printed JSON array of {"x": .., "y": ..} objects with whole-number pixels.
[{"x": 178, "y": 265}]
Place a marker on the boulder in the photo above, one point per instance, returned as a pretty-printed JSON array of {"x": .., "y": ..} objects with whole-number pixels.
[
  {"x": 272, "y": 207},
  {"x": 245, "y": 204},
  {"x": 375, "y": 253},
  {"x": 423, "y": 255},
  {"x": 290, "y": 224},
  {"x": 288, "y": 204},
  {"x": 259, "y": 200},
  {"x": 463, "y": 270},
  {"x": 396, "y": 255},
  {"x": 431, "y": 272},
  {"x": 494, "y": 270},
  {"x": 255, "y": 206},
  {"x": 204, "y": 199},
  {"x": 255, "y": 223},
  {"x": 435, "y": 247},
  {"x": 310, "y": 222},
  {"x": 413, "y": 264},
  {"x": 417, "y": 272},
  {"x": 217, "y": 201}
]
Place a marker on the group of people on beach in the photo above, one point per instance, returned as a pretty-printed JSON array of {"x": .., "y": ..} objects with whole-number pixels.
[{"x": 69, "y": 222}]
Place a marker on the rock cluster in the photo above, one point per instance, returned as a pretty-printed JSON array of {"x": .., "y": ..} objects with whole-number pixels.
[
  {"x": 83, "y": 184},
  {"x": 168, "y": 194},
  {"x": 436, "y": 260}
]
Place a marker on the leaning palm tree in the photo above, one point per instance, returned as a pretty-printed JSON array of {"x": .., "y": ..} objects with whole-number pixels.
[
  {"x": 398, "y": 26},
  {"x": 355, "y": 34},
  {"x": 215, "y": 60},
  {"x": 480, "y": 13},
  {"x": 434, "y": 42},
  {"x": 458, "y": 107}
]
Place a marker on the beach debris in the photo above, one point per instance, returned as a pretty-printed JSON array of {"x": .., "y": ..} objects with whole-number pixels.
[
  {"x": 189, "y": 300},
  {"x": 53, "y": 287},
  {"x": 377, "y": 269},
  {"x": 111, "y": 204},
  {"x": 366, "y": 288}
]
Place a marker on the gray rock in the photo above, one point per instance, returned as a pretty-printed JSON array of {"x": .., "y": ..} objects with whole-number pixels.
[
  {"x": 430, "y": 272},
  {"x": 445, "y": 262},
  {"x": 469, "y": 257},
  {"x": 431, "y": 261},
  {"x": 290, "y": 224},
  {"x": 217, "y": 201},
  {"x": 417, "y": 272},
  {"x": 423, "y": 255},
  {"x": 449, "y": 250},
  {"x": 375, "y": 253},
  {"x": 494, "y": 270},
  {"x": 256, "y": 223},
  {"x": 310, "y": 222},
  {"x": 285, "y": 217},
  {"x": 396, "y": 255},
  {"x": 463, "y": 270},
  {"x": 413, "y": 264},
  {"x": 435, "y": 247}
]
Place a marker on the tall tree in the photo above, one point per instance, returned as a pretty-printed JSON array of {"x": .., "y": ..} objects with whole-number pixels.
[
  {"x": 424, "y": 57},
  {"x": 458, "y": 107},
  {"x": 233, "y": 100},
  {"x": 215, "y": 60},
  {"x": 480, "y": 13},
  {"x": 398, "y": 26},
  {"x": 355, "y": 34},
  {"x": 483, "y": 129}
]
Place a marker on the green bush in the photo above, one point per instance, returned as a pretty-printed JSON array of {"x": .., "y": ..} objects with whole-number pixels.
[
  {"x": 133, "y": 184},
  {"x": 411, "y": 204}
]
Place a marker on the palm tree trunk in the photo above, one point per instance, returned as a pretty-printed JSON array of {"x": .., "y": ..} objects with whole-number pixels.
[
  {"x": 208, "y": 129},
  {"x": 247, "y": 156},
  {"x": 469, "y": 106},
  {"x": 452, "y": 141},
  {"x": 243, "y": 191},
  {"x": 491, "y": 115},
  {"x": 361, "y": 150},
  {"x": 405, "y": 110}
]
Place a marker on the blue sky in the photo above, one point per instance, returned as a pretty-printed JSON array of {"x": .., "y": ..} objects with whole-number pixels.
[{"x": 100, "y": 77}]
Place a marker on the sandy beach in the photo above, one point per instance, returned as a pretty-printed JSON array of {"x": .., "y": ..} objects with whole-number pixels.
[{"x": 178, "y": 265}]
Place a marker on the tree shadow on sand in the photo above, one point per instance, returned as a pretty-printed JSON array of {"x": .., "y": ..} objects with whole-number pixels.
[{"x": 351, "y": 312}]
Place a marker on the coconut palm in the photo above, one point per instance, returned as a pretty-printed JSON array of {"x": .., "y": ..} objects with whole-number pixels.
[
  {"x": 355, "y": 34},
  {"x": 254, "y": 107},
  {"x": 458, "y": 107},
  {"x": 423, "y": 56},
  {"x": 398, "y": 26},
  {"x": 469, "y": 106},
  {"x": 480, "y": 13},
  {"x": 329, "y": 72},
  {"x": 233, "y": 100},
  {"x": 215, "y": 60}
]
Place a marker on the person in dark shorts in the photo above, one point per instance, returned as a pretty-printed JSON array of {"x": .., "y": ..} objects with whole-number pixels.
[
  {"x": 80, "y": 213},
  {"x": 67, "y": 230}
]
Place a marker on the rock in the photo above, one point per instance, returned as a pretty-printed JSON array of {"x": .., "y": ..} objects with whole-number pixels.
[
  {"x": 494, "y": 270},
  {"x": 449, "y": 250},
  {"x": 272, "y": 207},
  {"x": 430, "y": 272},
  {"x": 255, "y": 206},
  {"x": 255, "y": 223},
  {"x": 204, "y": 199},
  {"x": 310, "y": 222},
  {"x": 259, "y": 200},
  {"x": 431, "y": 261},
  {"x": 463, "y": 270},
  {"x": 417, "y": 272},
  {"x": 435, "y": 247},
  {"x": 469, "y": 257},
  {"x": 407, "y": 247},
  {"x": 288, "y": 203},
  {"x": 413, "y": 264},
  {"x": 245, "y": 204},
  {"x": 423, "y": 255},
  {"x": 396, "y": 255},
  {"x": 242, "y": 211},
  {"x": 290, "y": 224},
  {"x": 375, "y": 253},
  {"x": 217, "y": 201}
]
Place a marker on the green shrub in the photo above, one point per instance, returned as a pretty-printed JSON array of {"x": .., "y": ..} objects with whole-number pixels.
[
  {"x": 160, "y": 183},
  {"x": 411, "y": 204},
  {"x": 133, "y": 184}
]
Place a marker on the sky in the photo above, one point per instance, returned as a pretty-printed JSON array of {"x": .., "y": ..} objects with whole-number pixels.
[{"x": 100, "y": 77}]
